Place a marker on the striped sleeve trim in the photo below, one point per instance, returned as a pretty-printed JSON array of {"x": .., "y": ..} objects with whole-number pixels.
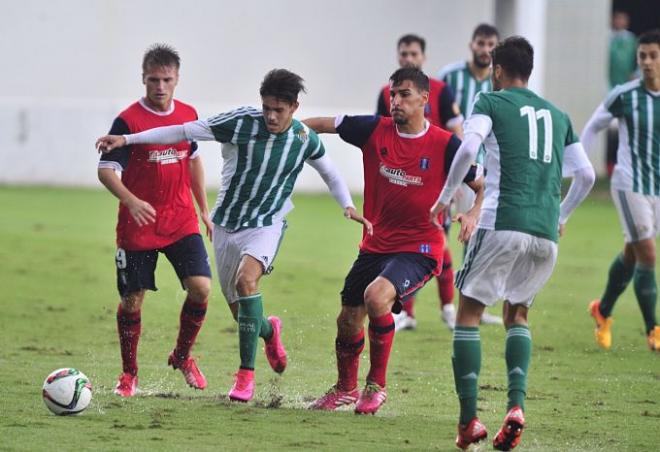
[
  {"x": 111, "y": 165},
  {"x": 619, "y": 90}
]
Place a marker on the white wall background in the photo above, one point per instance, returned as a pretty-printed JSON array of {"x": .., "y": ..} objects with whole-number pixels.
[{"x": 69, "y": 66}]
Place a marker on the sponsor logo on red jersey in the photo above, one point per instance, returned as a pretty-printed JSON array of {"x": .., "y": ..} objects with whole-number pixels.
[{"x": 399, "y": 177}]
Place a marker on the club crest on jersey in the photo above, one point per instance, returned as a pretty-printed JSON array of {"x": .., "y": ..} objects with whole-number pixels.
[
  {"x": 424, "y": 164},
  {"x": 398, "y": 176},
  {"x": 167, "y": 156},
  {"x": 301, "y": 135},
  {"x": 425, "y": 248}
]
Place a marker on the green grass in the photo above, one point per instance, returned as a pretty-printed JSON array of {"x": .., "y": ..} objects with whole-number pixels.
[{"x": 58, "y": 280}]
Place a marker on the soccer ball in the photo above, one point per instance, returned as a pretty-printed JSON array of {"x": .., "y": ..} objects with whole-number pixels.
[{"x": 67, "y": 391}]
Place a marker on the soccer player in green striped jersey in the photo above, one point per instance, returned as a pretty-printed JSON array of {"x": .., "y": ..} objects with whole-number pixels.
[
  {"x": 529, "y": 145},
  {"x": 468, "y": 78},
  {"x": 635, "y": 188},
  {"x": 263, "y": 152}
]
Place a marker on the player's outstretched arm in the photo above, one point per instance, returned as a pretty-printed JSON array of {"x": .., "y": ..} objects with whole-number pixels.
[
  {"x": 191, "y": 131},
  {"x": 576, "y": 165},
  {"x": 140, "y": 210},
  {"x": 321, "y": 124},
  {"x": 600, "y": 120},
  {"x": 339, "y": 190}
]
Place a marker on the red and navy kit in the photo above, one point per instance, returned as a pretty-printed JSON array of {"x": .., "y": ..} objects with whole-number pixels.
[
  {"x": 403, "y": 176},
  {"x": 439, "y": 109},
  {"x": 157, "y": 174}
]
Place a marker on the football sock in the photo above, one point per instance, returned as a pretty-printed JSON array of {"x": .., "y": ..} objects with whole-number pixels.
[
  {"x": 466, "y": 361},
  {"x": 518, "y": 351},
  {"x": 381, "y": 336},
  {"x": 617, "y": 281},
  {"x": 348, "y": 360},
  {"x": 190, "y": 322},
  {"x": 266, "y": 330},
  {"x": 446, "y": 280},
  {"x": 129, "y": 326},
  {"x": 409, "y": 306},
  {"x": 647, "y": 293},
  {"x": 250, "y": 314}
]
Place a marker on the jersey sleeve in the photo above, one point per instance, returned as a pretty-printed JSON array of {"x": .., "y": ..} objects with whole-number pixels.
[
  {"x": 356, "y": 130},
  {"x": 226, "y": 127},
  {"x": 482, "y": 105},
  {"x": 450, "y": 152},
  {"x": 446, "y": 102},
  {"x": 613, "y": 102},
  {"x": 117, "y": 159},
  {"x": 571, "y": 136},
  {"x": 316, "y": 146}
]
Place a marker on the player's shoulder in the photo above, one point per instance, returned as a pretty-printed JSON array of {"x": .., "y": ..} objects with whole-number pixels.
[
  {"x": 436, "y": 84},
  {"x": 304, "y": 132},
  {"x": 439, "y": 133},
  {"x": 245, "y": 113},
  {"x": 184, "y": 108},
  {"x": 456, "y": 66},
  {"x": 134, "y": 109},
  {"x": 618, "y": 90}
]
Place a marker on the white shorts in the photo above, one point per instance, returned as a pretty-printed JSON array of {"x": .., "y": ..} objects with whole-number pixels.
[
  {"x": 639, "y": 214},
  {"x": 230, "y": 247},
  {"x": 506, "y": 265}
]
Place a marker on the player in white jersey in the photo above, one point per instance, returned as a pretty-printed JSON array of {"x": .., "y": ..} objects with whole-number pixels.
[
  {"x": 263, "y": 152},
  {"x": 635, "y": 188},
  {"x": 467, "y": 79}
]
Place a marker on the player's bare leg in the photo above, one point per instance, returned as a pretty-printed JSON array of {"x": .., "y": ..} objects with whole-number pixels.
[
  {"x": 348, "y": 345},
  {"x": 192, "y": 317},
  {"x": 466, "y": 361},
  {"x": 378, "y": 299},
  {"x": 129, "y": 327}
]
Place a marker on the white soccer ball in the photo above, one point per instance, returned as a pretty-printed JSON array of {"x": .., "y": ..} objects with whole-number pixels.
[{"x": 67, "y": 391}]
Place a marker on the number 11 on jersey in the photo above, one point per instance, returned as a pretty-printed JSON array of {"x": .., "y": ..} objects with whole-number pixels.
[{"x": 532, "y": 118}]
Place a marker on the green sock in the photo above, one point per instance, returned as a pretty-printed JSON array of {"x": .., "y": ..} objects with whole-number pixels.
[
  {"x": 518, "y": 351},
  {"x": 647, "y": 294},
  {"x": 466, "y": 361},
  {"x": 266, "y": 330},
  {"x": 617, "y": 281},
  {"x": 250, "y": 313}
]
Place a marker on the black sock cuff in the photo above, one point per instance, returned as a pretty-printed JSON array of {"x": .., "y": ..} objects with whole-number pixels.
[{"x": 381, "y": 329}]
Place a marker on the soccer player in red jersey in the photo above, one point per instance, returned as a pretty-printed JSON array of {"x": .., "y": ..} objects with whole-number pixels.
[
  {"x": 157, "y": 215},
  {"x": 405, "y": 162},
  {"x": 442, "y": 111}
]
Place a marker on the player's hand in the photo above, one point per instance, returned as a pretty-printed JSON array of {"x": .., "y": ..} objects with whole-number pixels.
[
  {"x": 142, "y": 211},
  {"x": 208, "y": 224},
  {"x": 434, "y": 213},
  {"x": 107, "y": 143},
  {"x": 468, "y": 223},
  {"x": 562, "y": 229},
  {"x": 352, "y": 214}
]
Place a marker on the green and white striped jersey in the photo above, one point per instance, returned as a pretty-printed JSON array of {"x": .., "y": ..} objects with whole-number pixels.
[
  {"x": 638, "y": 155},
  {"x": 524, "y": 155},
  {"x": 260, "y": 168},
  {"x": 464, "y": 85}
]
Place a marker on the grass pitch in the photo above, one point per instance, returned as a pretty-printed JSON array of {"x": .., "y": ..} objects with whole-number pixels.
[{"x": 58, "y": 279}]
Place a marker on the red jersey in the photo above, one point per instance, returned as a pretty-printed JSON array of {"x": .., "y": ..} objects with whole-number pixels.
[
  {"x": 156, "y": 173},
  {"x": 438, "y": 110},
  {"x": 403, "y": 177}
]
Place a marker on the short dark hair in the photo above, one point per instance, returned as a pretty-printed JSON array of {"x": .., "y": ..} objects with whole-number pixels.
[
  {"x": 411, "y": 39},
  {"x": 283, "y": 85},
  {"x": 650, "y": 37},
  {"x": 485, "y": 30},
  {"x": 516, "y": 56},
  {"x": 415, "y": 75},
  {"x": 160, "y": 55}
]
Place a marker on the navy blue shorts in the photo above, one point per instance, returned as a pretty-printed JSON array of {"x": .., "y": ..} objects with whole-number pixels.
[
  {"x": 135, "y": 269},
  {"x": 408, "y": 272}
]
